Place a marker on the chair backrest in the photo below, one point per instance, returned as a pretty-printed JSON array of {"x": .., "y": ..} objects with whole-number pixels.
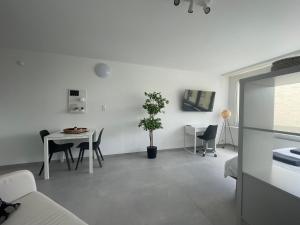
[
  {"x": 99, "y": 137},
  {"x": 210, "y": 133},
  {"x": 44, "y": 133}
]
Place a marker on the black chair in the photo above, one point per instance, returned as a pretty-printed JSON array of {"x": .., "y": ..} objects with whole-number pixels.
[
  {"x": 209, "y": 134},
  {"x": 55, "y": 148},
  {"x": 96, "y": 147}
]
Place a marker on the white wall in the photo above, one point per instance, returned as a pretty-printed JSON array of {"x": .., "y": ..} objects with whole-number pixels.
[{"x": 34, "y": 97}]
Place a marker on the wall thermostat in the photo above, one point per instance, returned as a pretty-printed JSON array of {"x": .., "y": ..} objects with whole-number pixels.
[{"x": 76, "y": 101}]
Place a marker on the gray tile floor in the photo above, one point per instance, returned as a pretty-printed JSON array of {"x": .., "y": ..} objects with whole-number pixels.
[{"x": 176, "y": 188}]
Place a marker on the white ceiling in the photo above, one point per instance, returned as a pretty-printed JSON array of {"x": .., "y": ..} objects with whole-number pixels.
[{"x": 237, "y": 33}]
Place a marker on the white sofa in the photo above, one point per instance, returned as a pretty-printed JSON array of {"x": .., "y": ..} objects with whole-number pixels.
[{"x": 36, "y": 208}]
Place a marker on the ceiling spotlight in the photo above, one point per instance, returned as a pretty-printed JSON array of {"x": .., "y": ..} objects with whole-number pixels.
[
  {"x": 191, "y": 10},
  {"x": 206, "y": 9},
  {"x": 201, "y": 3},
  {"x": 176, "y": 2}
]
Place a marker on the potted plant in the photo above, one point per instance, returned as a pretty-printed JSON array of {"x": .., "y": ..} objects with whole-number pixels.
[{"x": 154, "y": 105}]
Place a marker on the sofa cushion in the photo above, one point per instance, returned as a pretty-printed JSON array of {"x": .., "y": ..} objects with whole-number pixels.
[
  {"x": 6, "y": 209},
  {"x": 38, "y": 209}
]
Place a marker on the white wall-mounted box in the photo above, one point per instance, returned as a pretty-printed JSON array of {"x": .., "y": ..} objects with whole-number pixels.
[{"x": 76, "y": 101}]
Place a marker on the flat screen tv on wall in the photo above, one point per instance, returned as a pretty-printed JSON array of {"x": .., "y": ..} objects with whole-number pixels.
[{"x": 200, "y": 101}]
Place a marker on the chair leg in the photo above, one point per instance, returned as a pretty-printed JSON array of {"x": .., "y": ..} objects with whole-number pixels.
[
  {"x": 67, "y": 159},
  {"x": 98, "y": 157},
  {"x": 70, "y": 152},
  {"x": 50, "y": 157},
  {"x": 100, "y": 153},
  {"x": 44, "y": 165},
  {"x": 82, "y": 155},
  {"x": 41, "y": 170},
  {"x": 78, "y": 159}
]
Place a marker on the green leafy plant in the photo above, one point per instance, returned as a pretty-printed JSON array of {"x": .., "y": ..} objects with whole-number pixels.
[{"x": 154, "y": 105}]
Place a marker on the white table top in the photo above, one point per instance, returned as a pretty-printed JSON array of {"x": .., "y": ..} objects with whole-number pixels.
[{"x": 63, "y": 136}]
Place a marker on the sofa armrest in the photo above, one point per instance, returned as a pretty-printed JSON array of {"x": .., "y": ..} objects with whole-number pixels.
[{"x": 16, "y": 184}]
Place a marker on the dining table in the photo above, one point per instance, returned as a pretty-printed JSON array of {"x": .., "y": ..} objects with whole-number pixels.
[{"x": 61, "y": 136}]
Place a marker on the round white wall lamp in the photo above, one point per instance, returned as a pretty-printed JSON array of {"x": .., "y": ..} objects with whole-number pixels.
[
  {"x": 20, "y": 63},
  {"x": 102, "y": 70}
]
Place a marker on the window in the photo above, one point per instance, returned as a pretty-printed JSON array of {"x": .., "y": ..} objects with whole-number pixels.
[{"x": 287, "y": 107}]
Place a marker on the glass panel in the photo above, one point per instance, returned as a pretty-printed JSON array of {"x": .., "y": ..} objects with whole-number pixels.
[
  {"x": 257, "y": 152},
  {"x": 259, "y": 104},
  {"x": 265, "y": 155},
  {"x": 272, "y": 108},
  {"x": 287, "y": 108},
  {"x": 273, "y": 103}
]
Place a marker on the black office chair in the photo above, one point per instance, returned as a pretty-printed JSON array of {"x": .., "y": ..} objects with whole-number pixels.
[
  {"x": 209, "y": 134},
  {"x": 96, "y": 147},
  {"x": 54, "y": 148}
]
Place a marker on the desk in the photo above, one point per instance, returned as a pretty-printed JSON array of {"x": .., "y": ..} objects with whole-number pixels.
[
  {"x": 62, "y": 136},
  {"x": 193, "y": 130}
]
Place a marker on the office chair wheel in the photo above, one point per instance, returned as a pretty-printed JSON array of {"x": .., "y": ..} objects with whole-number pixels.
[{"x": 215, "y": 155}]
